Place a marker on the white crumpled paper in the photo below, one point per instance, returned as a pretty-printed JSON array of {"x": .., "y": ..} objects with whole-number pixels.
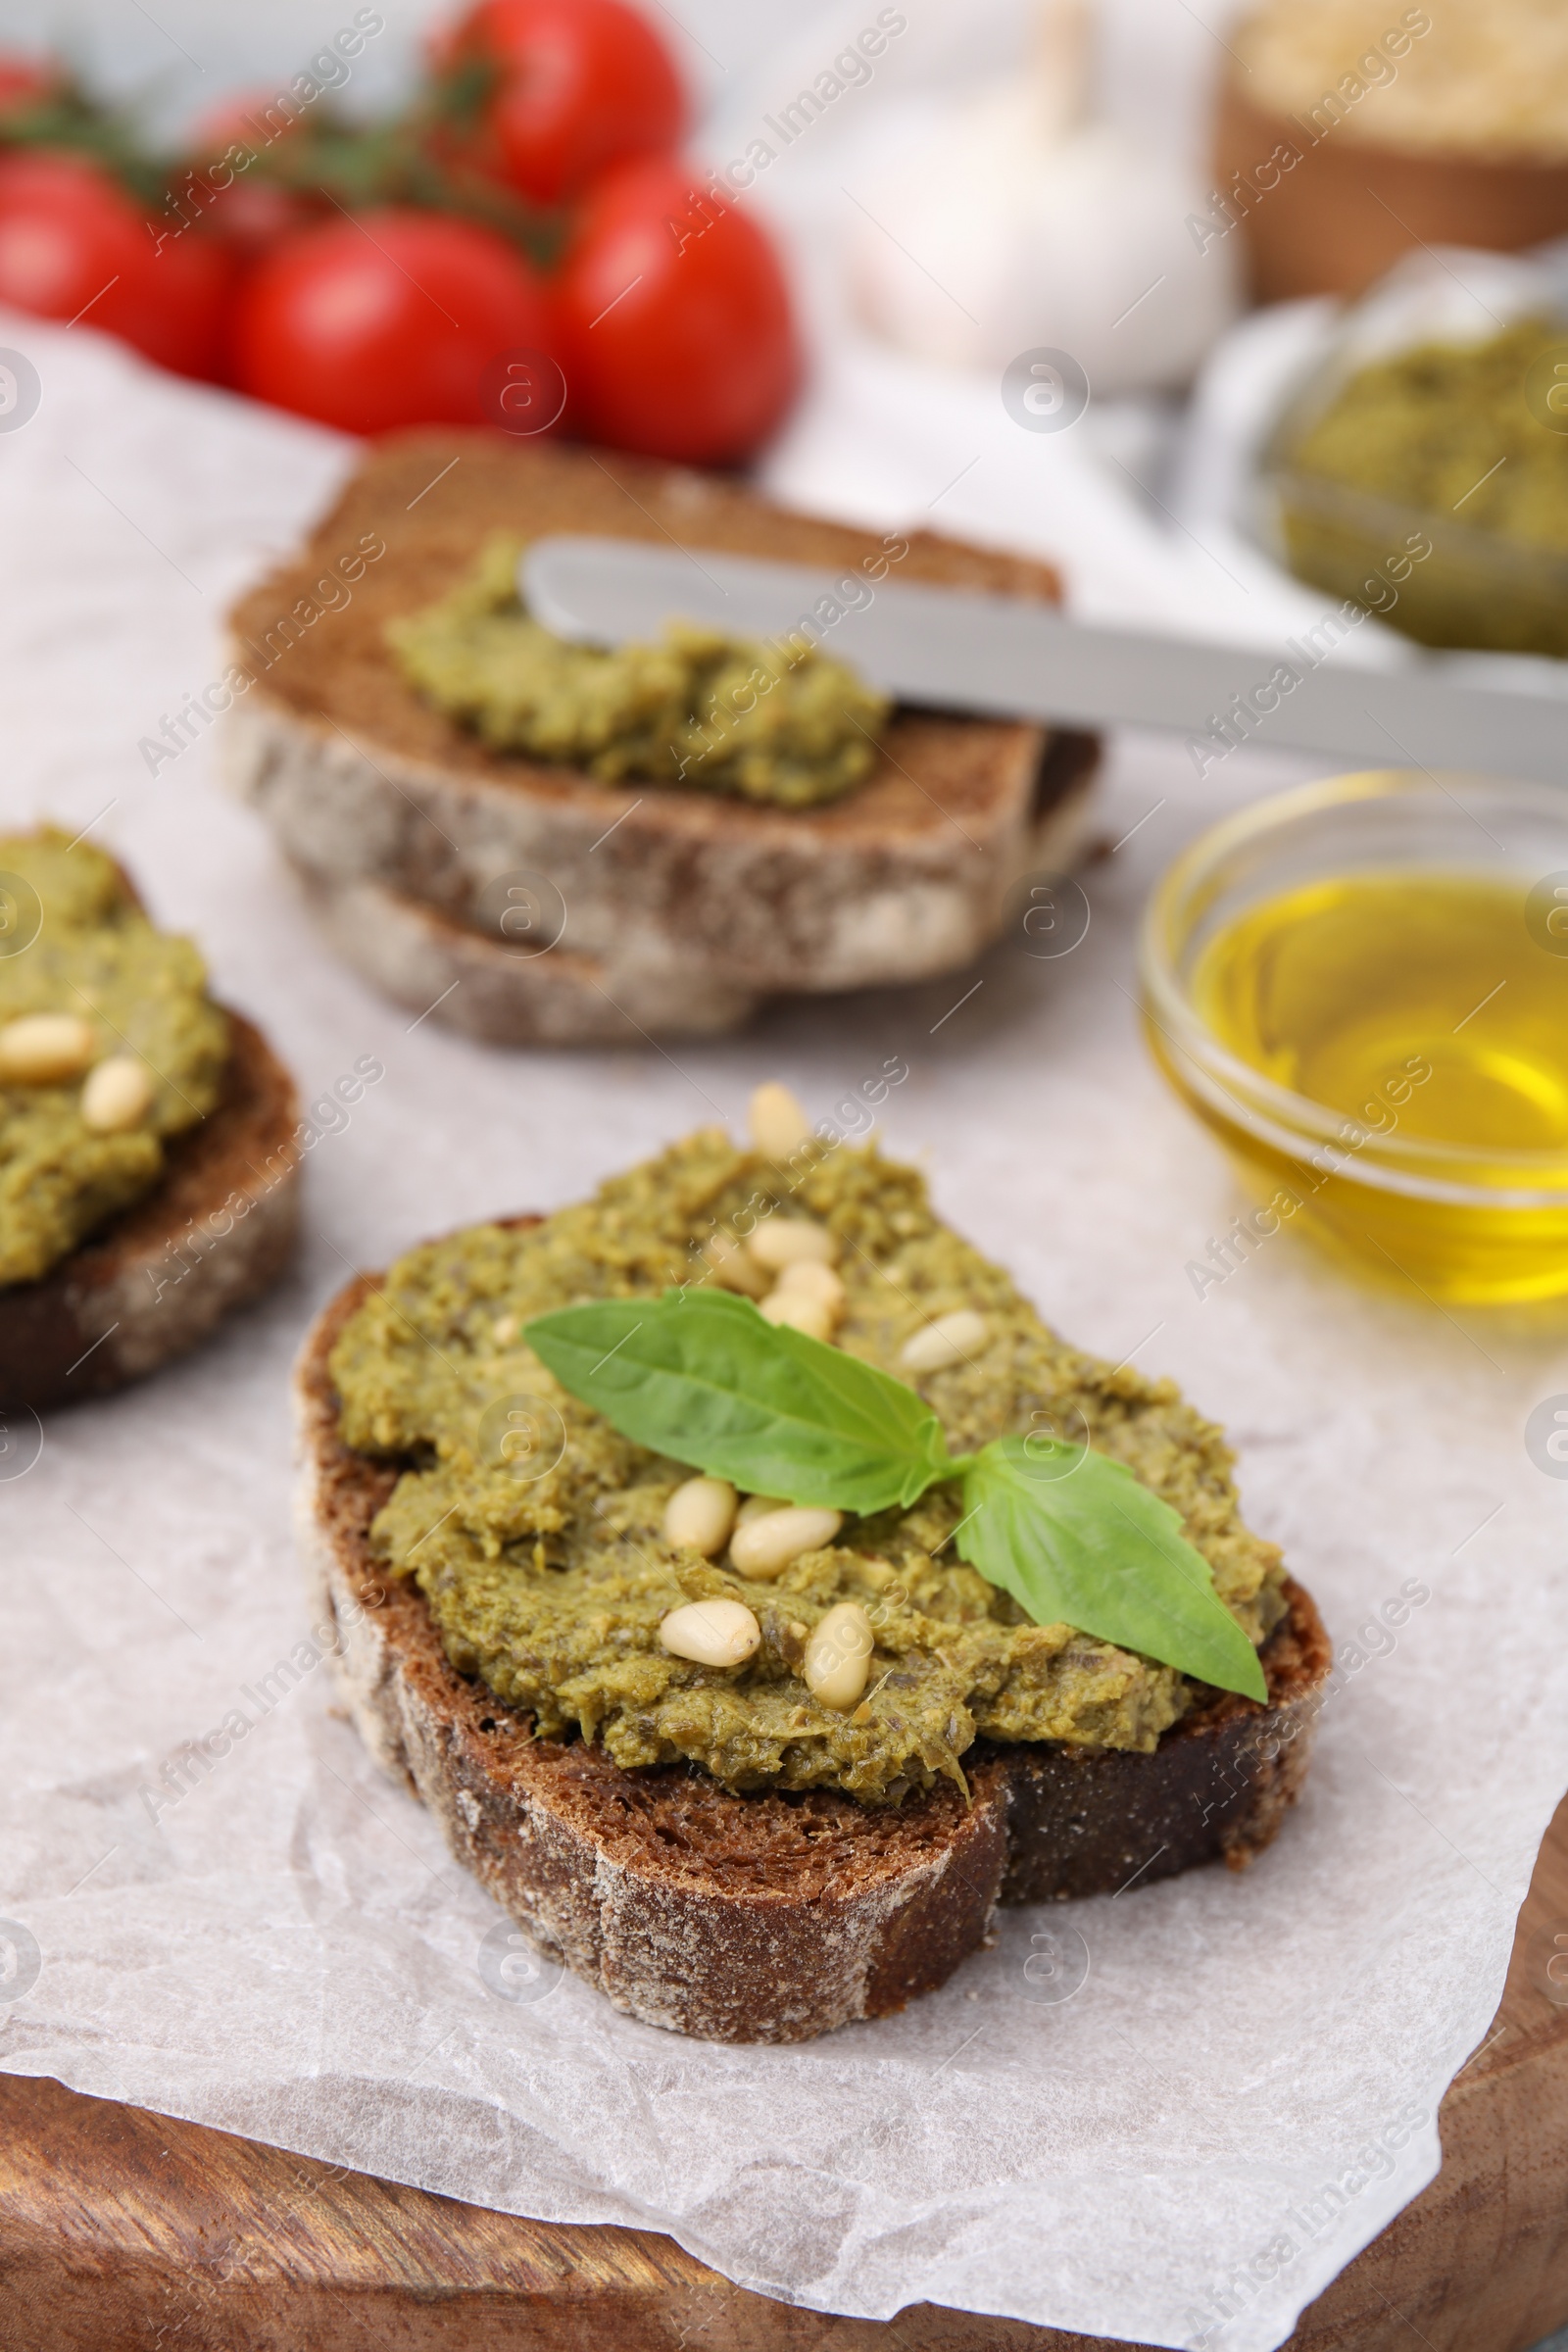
[{"x": 1242, "y": 2087}]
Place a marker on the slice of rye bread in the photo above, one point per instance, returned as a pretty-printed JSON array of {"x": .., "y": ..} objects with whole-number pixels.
[
  {"x": 483, "y": 986},
  {"x": 215, "y": 1232},
  {"x": 432, "y": 963},
  {"x": 776, "y": 1916},
  {"x": 364, "y": 784}
]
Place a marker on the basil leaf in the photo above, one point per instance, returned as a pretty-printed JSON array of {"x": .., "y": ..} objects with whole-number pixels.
[
  {"x": 1088, "y": 1545},
  {"x": 701, "y": 1376}
]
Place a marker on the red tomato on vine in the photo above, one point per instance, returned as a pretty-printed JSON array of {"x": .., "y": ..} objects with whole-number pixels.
[
  {"x": 392, "y": 318},
  {"x": 25, "y": 82},
  {"x": 75, "y": 245},
  {"x": 582, "y": 84},
  {"x": 677, "y": 333}
]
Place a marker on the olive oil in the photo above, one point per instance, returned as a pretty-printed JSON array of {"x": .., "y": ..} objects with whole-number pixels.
[{"x": 1429, "y": 1010}]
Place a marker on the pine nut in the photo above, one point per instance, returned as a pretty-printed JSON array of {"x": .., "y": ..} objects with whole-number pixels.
[
  {"x": 813, "y": 1281},
  {"x": 765, "y": 1546},
  {"x": 734, "y": 1267},
  {"x": 758, "y": 1507},
  {"x": 784, "y": 1241},
  {"x": 801, "y": 1312},
  {"x": 45, "y": 1048},
  {"x": 119, "y": 1093},
  {"x": 712, "y": 1632},
  {"x": 700, "y": 1514},
  {"x": 779, "y": 1126},
  {"x": 838, "y": 1657},
  {"x": 947, "y": 1341}
]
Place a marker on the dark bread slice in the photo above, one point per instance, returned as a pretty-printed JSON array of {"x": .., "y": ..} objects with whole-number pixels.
[
  {"x": 777, "y": 1916},
  {"x": 215, "y": 1232},
  {"x": 363, "y": 784}
]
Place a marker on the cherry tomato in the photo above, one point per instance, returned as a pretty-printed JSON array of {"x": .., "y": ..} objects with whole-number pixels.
[
  {"x": 185, "y": 324},
  {"x": 75, "y": 245},
  {"x": 389, "y": 320},
  {"x": 25, "y": 82},
  {"x": 254, "y": 119},
  {"x": 678, "y": 336},
  {"x": 584, "y": 83},
  {"x": 249, "y": 210},
  {"x": 252, "y": 216}
]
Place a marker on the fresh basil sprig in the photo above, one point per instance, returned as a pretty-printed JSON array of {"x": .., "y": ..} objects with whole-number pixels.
[{"x": 1072, "y": 1535}]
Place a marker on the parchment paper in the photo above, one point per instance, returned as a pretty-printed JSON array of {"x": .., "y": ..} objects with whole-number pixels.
[{"x": 1170, "y": 2116}]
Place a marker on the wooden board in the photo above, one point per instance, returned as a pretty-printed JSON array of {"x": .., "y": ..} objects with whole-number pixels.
[{"x": 121, "y": 2231}]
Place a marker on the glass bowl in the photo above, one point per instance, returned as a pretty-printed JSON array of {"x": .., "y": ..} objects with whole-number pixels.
[
  {"x": 1430, "y": 571},
  {"x": 1469, "y": 590},
  {"x": 1376, "y": 1178}
]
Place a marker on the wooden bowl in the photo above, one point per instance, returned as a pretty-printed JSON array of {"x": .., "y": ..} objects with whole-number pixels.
[{"x": 1346, "y": 209}]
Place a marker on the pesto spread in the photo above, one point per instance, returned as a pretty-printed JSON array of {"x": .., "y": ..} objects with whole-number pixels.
[
  {"x": 1449, "y": 428},
  {"x": 549, "y": 1573},
  {"x": 767, "y": 723},
  {"x": 71, "y": 944},
  {"x": 1468, "y": 439}
]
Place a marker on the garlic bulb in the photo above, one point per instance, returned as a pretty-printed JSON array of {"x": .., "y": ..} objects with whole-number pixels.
[{"x": 1028, "y": 226}]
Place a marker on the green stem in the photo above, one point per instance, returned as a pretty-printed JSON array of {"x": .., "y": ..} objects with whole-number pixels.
[{"x": 955, "y": 1466}]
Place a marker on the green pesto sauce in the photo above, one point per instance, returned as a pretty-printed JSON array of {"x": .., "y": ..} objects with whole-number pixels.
[
  {"x": 551, "y": 1587},
  {"x": 1459, "y": 436},
  {"x": 95, "y": 955},
  {"x": 1425, "y": 426},
  {"x": 699, "y": 709}
]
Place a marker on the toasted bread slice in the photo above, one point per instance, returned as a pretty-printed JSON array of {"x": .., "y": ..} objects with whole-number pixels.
[
  {"x": 709, "y": 902},
  {"x": 479, "y": 984},
  {"x": 428, "y": 960},
  {"x": 216, "y": 1231},
  {"x": 777, "y": 1916}
]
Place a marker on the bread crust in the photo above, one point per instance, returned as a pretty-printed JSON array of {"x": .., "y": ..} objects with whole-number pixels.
[
  {"x": 779, "y": 1915},
  {"x": 216, "y": 1231},
  {"x": 692, "y": 907},
  {"x": 423, "y": 958}
]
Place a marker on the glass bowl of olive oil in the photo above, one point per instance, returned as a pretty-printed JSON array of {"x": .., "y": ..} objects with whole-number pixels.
[{"x": 1362, "y": 987}]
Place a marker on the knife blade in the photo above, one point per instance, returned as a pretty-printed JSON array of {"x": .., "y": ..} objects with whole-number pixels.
[{"x": 1005, "y": 656}]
